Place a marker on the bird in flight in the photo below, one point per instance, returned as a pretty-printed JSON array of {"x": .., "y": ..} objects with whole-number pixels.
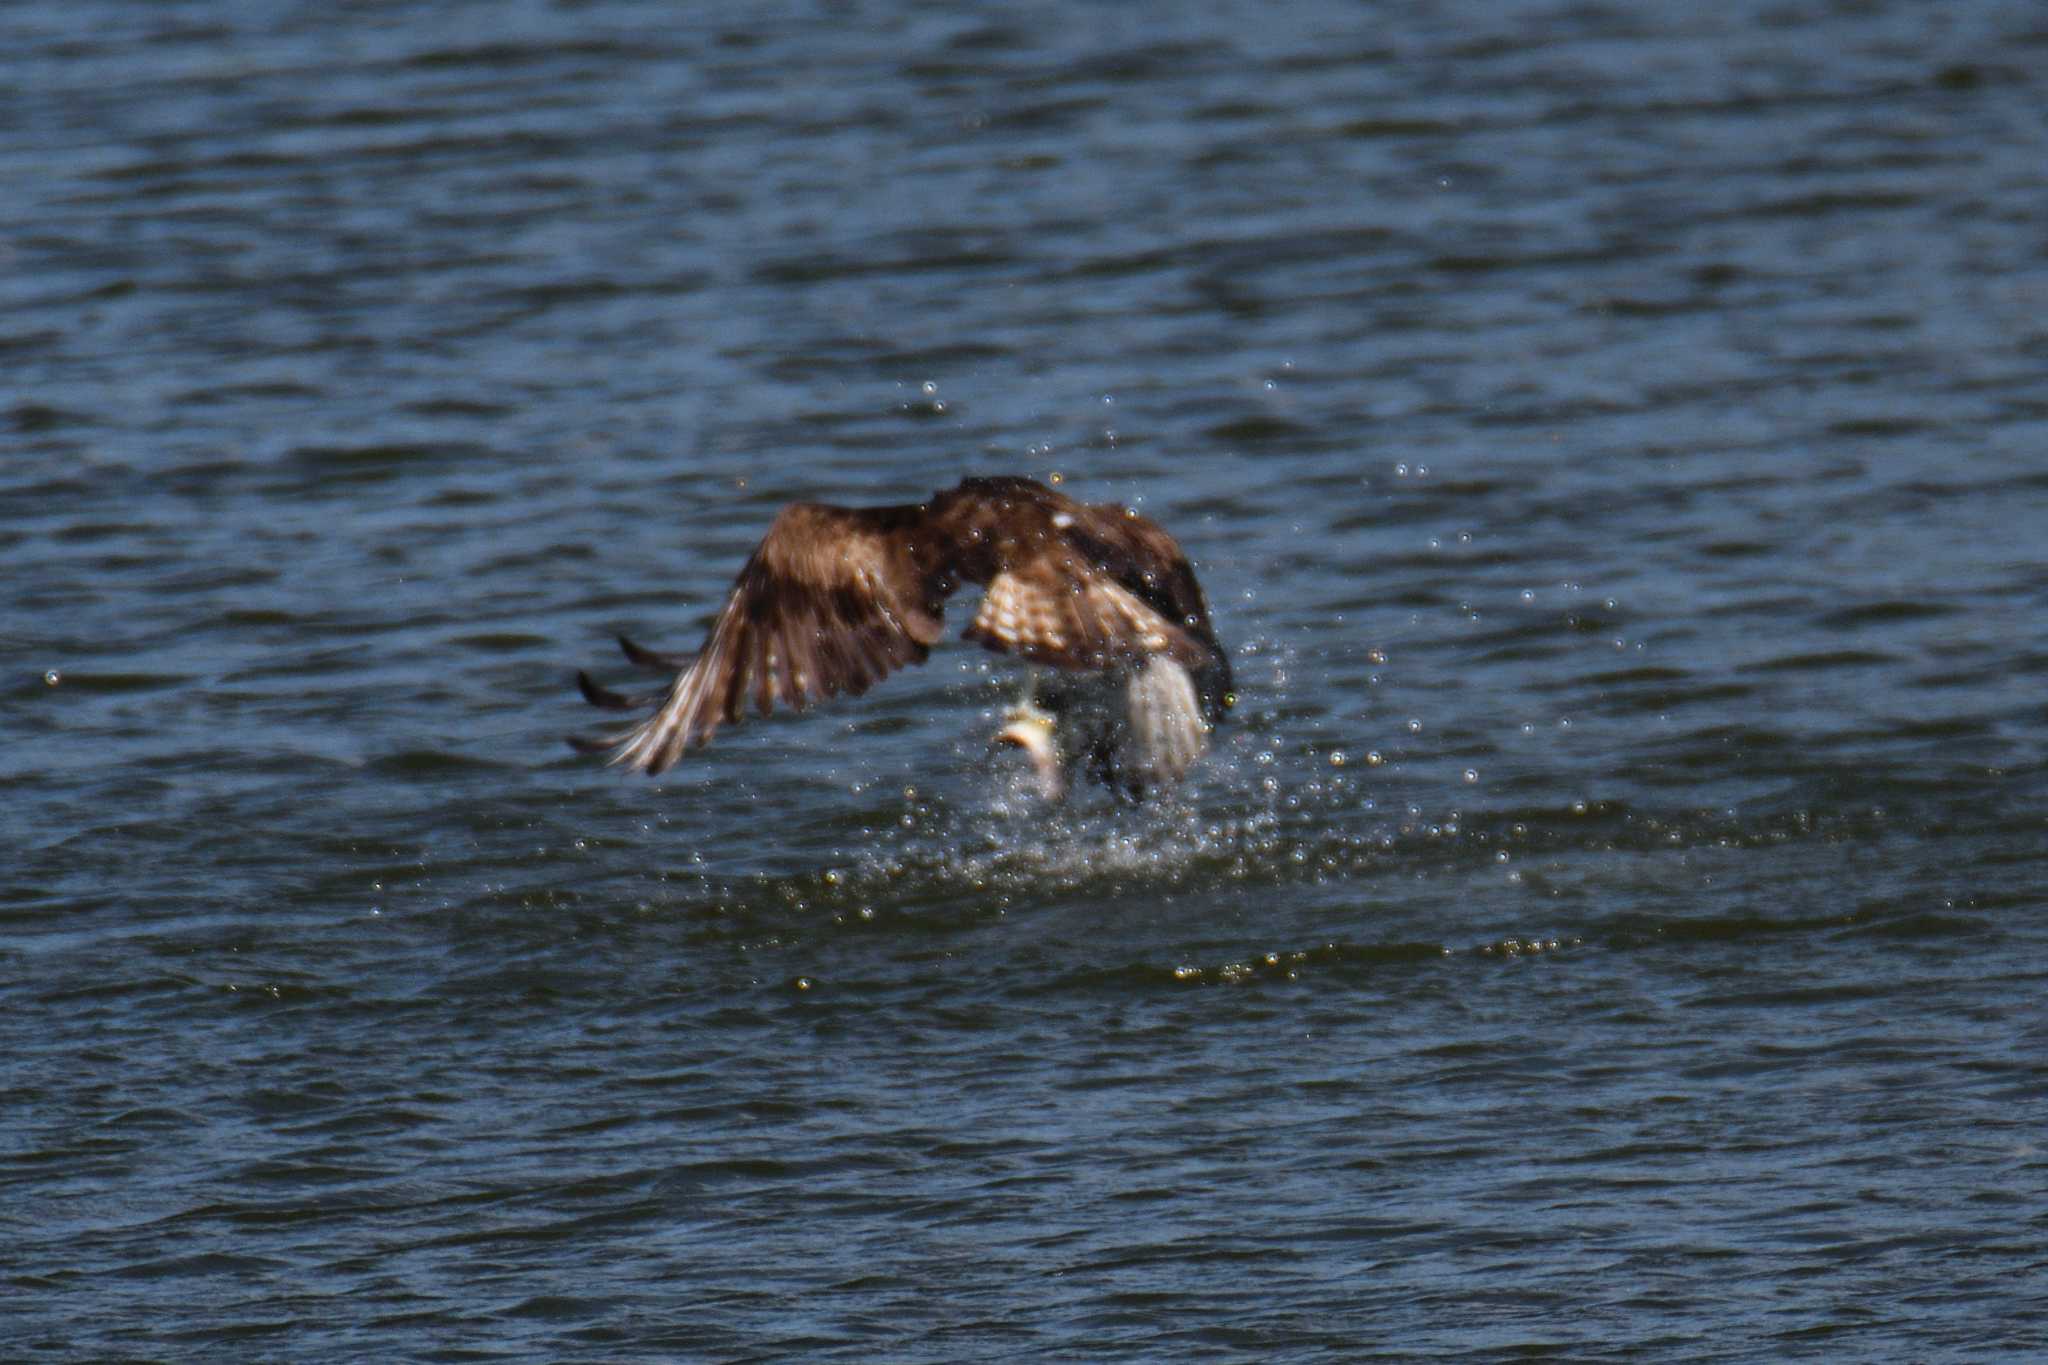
[{"x": 835, "y": 598}]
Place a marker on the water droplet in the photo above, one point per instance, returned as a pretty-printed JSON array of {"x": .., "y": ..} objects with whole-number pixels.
[
  {"x": 52, "y": 678},
  {"x": 1471, "y": 774},
  {"x": 1337, "y": 758},
  {"x": 1414, "y": 726}
]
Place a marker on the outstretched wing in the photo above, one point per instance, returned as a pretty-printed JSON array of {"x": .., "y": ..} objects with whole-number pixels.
[
  {"x": 836, "y": 598},
  {"x": 831, "y": 601}
]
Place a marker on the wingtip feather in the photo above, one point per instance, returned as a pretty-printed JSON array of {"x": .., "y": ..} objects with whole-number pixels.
[
  {"x": 603, "y": 697},
  {"x": 653, "y": 660}
]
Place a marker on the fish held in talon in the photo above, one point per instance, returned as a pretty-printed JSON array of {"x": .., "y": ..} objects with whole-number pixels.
[
  {"x": 1126, "y": 682},
  {"x": 1034, "y": 730}
]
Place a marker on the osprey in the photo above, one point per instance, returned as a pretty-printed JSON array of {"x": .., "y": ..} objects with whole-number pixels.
[{"x": 835, "y": 598}]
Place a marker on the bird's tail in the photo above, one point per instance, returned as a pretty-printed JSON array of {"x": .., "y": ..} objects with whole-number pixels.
[{"x": 1167, "y": 731}]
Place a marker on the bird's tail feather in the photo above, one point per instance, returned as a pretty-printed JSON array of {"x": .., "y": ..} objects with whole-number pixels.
[{"x": 1167, "y": 731}]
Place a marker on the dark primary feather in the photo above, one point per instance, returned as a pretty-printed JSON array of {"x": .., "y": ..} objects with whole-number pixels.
[
  {"x": 836, "y": 598},
  {"x": 604, "y": 697},
  {"x": 649, "y": 660}
]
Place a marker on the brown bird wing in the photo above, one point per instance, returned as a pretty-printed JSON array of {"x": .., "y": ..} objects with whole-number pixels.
[
  {"x": 835, "y": 598},
  {"x": 831, "y": 601},
  {"x": 1081, "y": 586},
  {"x": 1045, "y": 610},
  {"x": 1152, "y": 565},
  {"x": 1151, "y": 562}
]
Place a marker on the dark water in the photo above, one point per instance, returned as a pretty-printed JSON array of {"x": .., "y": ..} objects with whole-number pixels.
[{"x": 1615, "y": 441}]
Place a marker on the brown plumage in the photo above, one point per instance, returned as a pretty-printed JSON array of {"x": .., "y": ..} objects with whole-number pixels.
[{"x": 836, "y": 598}]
